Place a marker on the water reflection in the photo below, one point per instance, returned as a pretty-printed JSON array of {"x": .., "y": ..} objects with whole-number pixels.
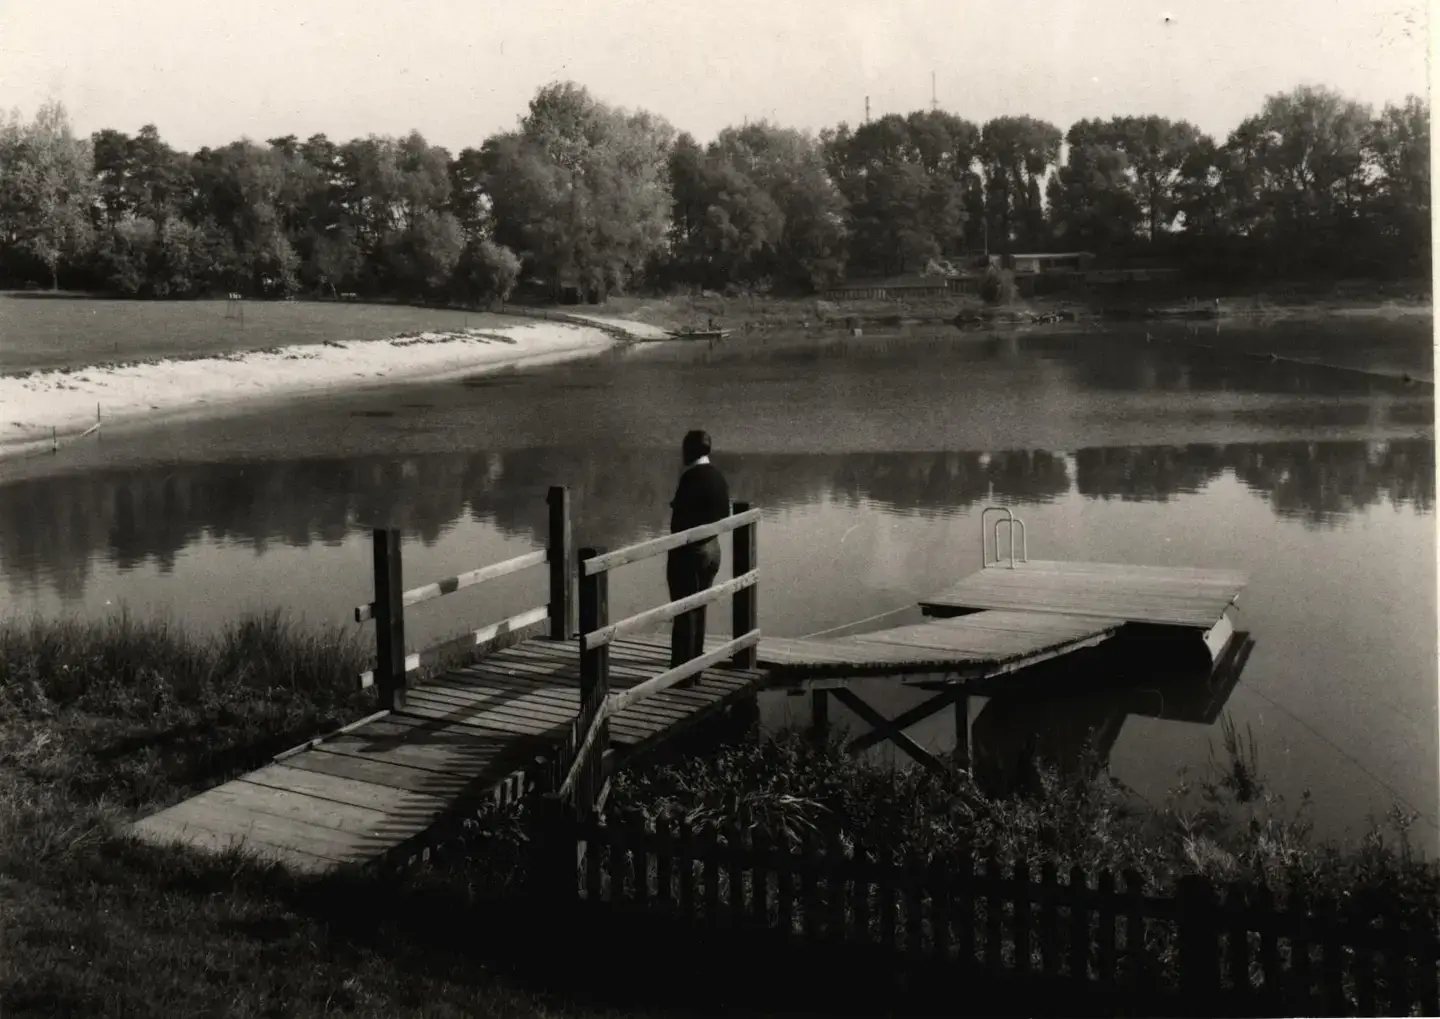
[
  {"x": 53, "y": 528},
  {"x": 1020, "y": 728}
]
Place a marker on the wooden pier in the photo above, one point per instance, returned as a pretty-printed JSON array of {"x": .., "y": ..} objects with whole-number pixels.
[{"x": 558, "y": 696}]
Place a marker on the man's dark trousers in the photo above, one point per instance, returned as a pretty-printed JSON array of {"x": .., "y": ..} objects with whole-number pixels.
[{"x": 689, "y": 571}]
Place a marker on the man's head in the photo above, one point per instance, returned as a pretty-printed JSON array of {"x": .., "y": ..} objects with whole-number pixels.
[{"x": 696, "y": 445}]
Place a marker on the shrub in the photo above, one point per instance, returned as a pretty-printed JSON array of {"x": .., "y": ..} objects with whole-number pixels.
[
  {"x": 997, "y": 286},
  {"x": 487, "y": 272}
]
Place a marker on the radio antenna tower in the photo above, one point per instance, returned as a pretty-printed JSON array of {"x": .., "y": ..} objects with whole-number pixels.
[{"x": 934, "y": 102}]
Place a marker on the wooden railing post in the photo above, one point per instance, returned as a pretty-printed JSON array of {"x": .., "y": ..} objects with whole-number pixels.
[
  {"x": 962, "y": 731},
  {"x": 562, "y": 565},
  {"x": 389, "y": 620},
  {"x": 594, "y": 676},
  {"x": 1199, "y": 942},
  {"x": 745, "y": 604}
]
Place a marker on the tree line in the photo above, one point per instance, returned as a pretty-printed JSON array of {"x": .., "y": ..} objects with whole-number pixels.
[{"x": 584, "y": 198}]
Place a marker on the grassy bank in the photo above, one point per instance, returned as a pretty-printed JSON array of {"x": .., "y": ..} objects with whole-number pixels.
[
  {"x": 101, "y": 722},
  {"x": 1383, "y": 299},
  {"x": 1224, "y": 823},
  {"x": 63, "y": 330}
]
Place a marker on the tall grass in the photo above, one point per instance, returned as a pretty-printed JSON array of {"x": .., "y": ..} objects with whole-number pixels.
[
  {"x": 1225, "y": 825},
  {"x": 141, "y": 710}
]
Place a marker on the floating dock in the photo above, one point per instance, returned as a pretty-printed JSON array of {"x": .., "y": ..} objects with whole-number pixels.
[
  {"x": 1150, "y": 600},
  {"x": 485, "y": 733}
]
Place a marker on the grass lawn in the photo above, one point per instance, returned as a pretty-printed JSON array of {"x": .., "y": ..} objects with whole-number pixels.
[
  {"x": 100, "y": 723},
  {"x": 42, "y": 331}
]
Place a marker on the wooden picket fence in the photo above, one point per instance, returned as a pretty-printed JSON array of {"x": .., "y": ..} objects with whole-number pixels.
[{"x": 1218, "y": 950}]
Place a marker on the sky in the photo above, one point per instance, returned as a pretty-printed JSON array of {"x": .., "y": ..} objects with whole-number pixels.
[{"x": 460, "y": 70}]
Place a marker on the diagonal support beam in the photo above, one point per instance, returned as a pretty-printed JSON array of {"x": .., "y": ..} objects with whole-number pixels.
[
  {"x": 886, "y": 728},
  {"x": 852, "y": 700}
]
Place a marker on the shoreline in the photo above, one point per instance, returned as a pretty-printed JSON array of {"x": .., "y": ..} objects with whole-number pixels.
[
  {"x": 763, "y": 314},
  {"x": 39, "y": 409}
]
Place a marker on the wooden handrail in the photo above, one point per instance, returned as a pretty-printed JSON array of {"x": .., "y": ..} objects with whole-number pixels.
[
  {"x": 450, "y": 585},
  {"x": 655, "y": 546},
  {"x": 591, "y": 735},
  {"x": 620, "y": 701},
  {"x": 519, "y": 621},
  {"x": 615, "y": 703},
  {"x": 650, "y": 617}
]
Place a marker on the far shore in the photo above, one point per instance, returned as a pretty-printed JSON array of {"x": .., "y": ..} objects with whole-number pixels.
[
  {"x": 764, "y": 313},
  {"x": 38, "y": 408}
]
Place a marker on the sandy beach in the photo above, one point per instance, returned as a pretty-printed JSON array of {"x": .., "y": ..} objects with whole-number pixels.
[{"x": 39, "y": 405}]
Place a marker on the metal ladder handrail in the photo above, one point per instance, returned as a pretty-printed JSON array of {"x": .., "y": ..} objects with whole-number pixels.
[{"x": 1011, "y": 519}]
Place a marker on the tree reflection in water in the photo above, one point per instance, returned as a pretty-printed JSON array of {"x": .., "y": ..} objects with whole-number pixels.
[{"x": 53, "y": 528}]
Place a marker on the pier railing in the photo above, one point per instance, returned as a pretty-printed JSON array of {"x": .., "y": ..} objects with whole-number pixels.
[
  {"x": 582, "y": 761},
  {"x": 393, "y": 665}
]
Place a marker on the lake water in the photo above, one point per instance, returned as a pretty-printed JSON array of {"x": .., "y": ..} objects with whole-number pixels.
[{"x": 872, "y": 459}]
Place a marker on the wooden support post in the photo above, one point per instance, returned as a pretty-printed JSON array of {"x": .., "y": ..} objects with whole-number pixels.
[
  {"x": 744, "y": 604},
  {"x": 389, "y": 620},
  {"x": 594, "y": 675},
  {"x": 962, "y": 732},
  {"x": 562, "y": 565},
  {"x": 820, "y": 713}
]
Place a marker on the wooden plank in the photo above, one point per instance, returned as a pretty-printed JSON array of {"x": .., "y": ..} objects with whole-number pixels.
[
  {"x": 517, "y": 680},
  {"x": 287, "y": 833},
  {"x": 658, "y": 684},
  {"x": 1001, "y": 580},
  {"x": 161, "y": 830},
  {"x": 435, "y": 747},
  {"x": 507, "y": 702},
  {"x": 244, "y": 796},
  {"x": 398, "y": 777},
  {"x": 449, "y": 585},
  {"x": 1078, "y": 599},
  {"x": 1021, "y": 622},
  {"x": 633, "y": 660},
  {"x": 458, "y": 713},
  {"x": 670, "y": 702},
  {"x": 1114, "y": 586},
  {"x": 1235, "y": 578},
  {"x": 359, "y": 723},
  {"x": 499, "y": 726},
  {"x": 978, "y": 643},
  {"x": 523, "y": 690},
  {"x": 626, "y": 736},
  {"x": 345, "y": 790},
  {"x": 655, "y": 546}
]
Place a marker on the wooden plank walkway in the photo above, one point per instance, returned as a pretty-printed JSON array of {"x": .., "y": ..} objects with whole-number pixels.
[
  {"x": 1162, "y": 595},
  {"x": 469, "y": 735},
  {"x": 465, "y": 737},
  {"x": 979, "y": 645}
]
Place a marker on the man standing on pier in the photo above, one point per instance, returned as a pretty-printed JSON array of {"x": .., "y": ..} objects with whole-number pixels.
[{"x": 702, "y": 497}]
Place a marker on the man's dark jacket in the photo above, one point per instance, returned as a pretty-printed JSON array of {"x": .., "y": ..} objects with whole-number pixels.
[{"x": 702, "y": 497}]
